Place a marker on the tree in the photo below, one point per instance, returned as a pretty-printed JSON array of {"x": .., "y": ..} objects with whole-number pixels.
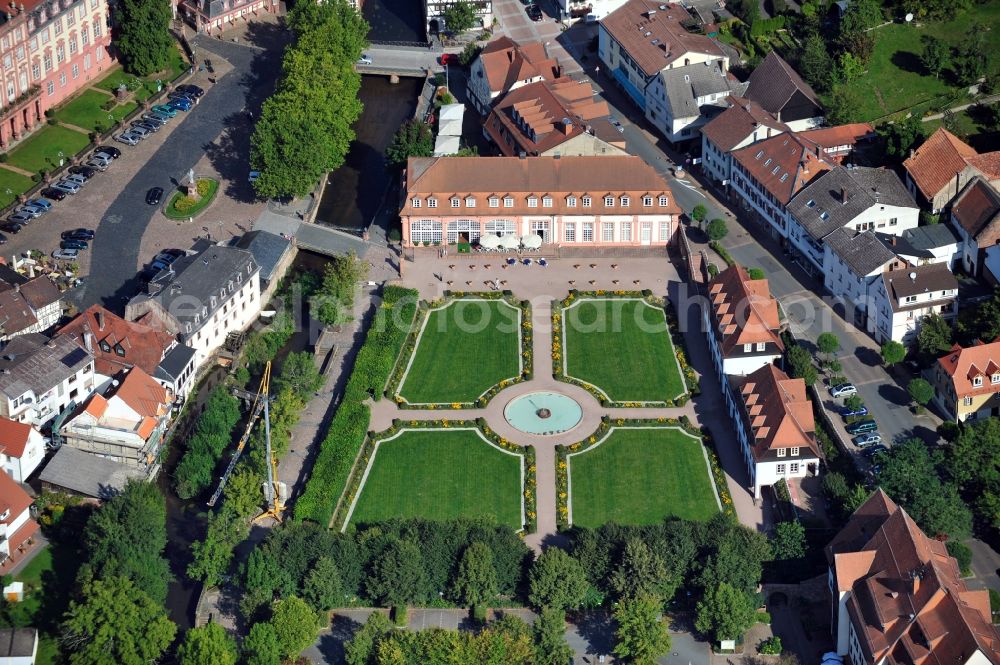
[
  {"x": 934, "y": 336},
  {"x": 893, "y": 352},
  {"x": 261, "y": 645},
  {"x": 921, "y": 391},
  {"x": 641, "y": 635},
  {"x": 642, "y": 572},
  {"x": 861, "y": 15},
  {"x": 970, "y": 63},
  {"x": 842, "y": 105},
  {"x": 699, "y": 213},
  {"x": 815, "y": 63},
  {"x": 861, "y": 45},
  {"x": 116, "y": 622},
  {"x": 413, "y": 139},
  {"x": 359, "y": 649},
  {"x": 828, "y": 344},
  {"x": 295, "y": 626},
  {"x": 934, "y": 56},
  {"x": 902, "y": 136},
  {"x": 789, "y": 541},
  {"x": 724, "y": 613},
  {"x": 853, "y": 402},
  {"x": 801, "y": 364},
  {"x": 556, "y": 581},
  {"x": 469, "y": 54},
  {"x": 334, "y": 303},
  {"x": 143, "y": 35},
  {"x": 736, "y": 556},
  {"x": 551, "y": 647},
  {"x": 851, "y": 67},
  {"x": 300, "y": 375},
  {"x": 459, "y": 17},
  {"x": 962, "y": 554},
  {"x": 476, "y": 579},
  {"x": 717, "y": 229},
  {"x": 398, "y": 576},
  {"x": 322, "y": 587},
  {"x": 207, "y": 645}
]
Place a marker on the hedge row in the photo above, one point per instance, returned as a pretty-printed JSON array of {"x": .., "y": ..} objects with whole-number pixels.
[
  {"x": 722, "y": 252},
  {"x": 374, "y": 363}
]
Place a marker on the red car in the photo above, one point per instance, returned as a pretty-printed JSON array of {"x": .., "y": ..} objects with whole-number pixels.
[{"x": 449, "y": 59}]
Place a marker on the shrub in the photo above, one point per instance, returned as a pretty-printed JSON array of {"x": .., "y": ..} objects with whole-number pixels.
[
  {"x": 395, "y": 235},
  {"x": 4, "y": 157},
  {"x": 994, "y": 603},
  {"x": 204, "y": 186},
  {"x": 756, "y": 273},
  {"x": 764, "y": 617},
  {"x": 962, "y": 554},
  {"x": 479, "y": 613},
  {"x": 110, "y": 104},
  {"x": 184, "y": 203},
  {"x": 713, "y": 270},
  {"x": 52, "y": 121},
  {"x": 770, "y": 647},
  {"x": 399, "y": 615}
]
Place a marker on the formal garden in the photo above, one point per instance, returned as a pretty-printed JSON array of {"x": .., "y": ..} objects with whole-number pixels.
[
  {"x": 441, "y": 474},
  {"x": 640, "y": 475},
  {"x": 463, "y": 349},
  {"x": 619, "y": 346}
]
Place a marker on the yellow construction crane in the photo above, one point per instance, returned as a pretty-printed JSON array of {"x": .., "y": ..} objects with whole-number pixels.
[{"x": 274, "y": 488}]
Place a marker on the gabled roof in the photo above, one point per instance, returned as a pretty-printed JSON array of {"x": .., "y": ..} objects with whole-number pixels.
[
  {"x": 14, "y": 437},
  {"x": 267, "y": 249},
  {"x": 87, "y": 474},
  {"x": 506, "y": 62},
  {"x": 130, "y": 343},
  {"x": 917, "y": 280},
  {"x": 833, "y": 137},
  {"x": 144, "y": 395},
  {"x": 920, "y": 241},
  {"x": 745, "y": 312},
  {"x": 652, "y": 34},
  {"x": 740, "y": 121},
  {"x": 936, "y": 162},
  {"x": 34, "y": 362},
  {"x": 784, "y": 164},
  {"x": 773, "y": 84},
  {"x": 685, "y": 85},
  {"x": 12, "y": 498},
  {"x": 864, "y": 253},
  {"x": 977, "y": 209},
  {"x": 962, "y": 365},
  {"x": 40, "y": 292},
  {"x": 777, "y": 410},
  {"x": 15, "y": 313}
]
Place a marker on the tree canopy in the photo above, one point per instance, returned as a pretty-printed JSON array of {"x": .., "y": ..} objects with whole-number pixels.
[
  {"x": 901, "y": 136},
  {"x": 934, "y": 55},
  {"x": 295, "y": 626},
  {"x": 934, "y": 336},
  {"x": 476, "y": 579},
  {"x": 143, "y": 35},
  {"x": 557, "y": 581},
  {"x": 207, "y": 645},
  {"x": 717, "y": 229},
  {"x": 921, "y": 391},
  {"x": 789, "y": 541},
  {"x": 459, "y": 16},
  {"x": 412, "y": 139},
  {"x": 641, "y": 635},
  {"x": 724, "y": 613},
  {"x": 893, "y": 352}
]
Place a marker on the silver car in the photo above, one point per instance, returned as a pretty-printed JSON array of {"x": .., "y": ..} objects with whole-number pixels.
[
  {"x": 67, "y": 186},
  {"x": 139, "y": 130},
  {"x": 77, "y": 178},
  {"x": 128, "y": 138},
  {"x": 95, "y": 164},
  {"x": 66, "y": 254}
]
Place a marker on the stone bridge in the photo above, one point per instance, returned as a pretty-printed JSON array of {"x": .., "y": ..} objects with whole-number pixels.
[{"x": 389, "y": 59}]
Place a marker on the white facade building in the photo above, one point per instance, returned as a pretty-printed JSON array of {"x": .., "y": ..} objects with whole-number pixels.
[
  {"x": 22, "y": 449},
  {"x": 40, "y": 377},
  {"x": 902, "y": 297},
  {"x": 682, "y": 99},
  {"x": 742, "y": 124}
]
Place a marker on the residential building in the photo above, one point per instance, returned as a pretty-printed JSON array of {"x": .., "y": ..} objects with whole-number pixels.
[
  {"x": 567, "y": 201},
  {"x": 504, "y": 65},
  {"x": 51, "y": 49},
  {"x": 17, "y": 529},
  {"x": 903, "y": 297},
  {"x": 119, "y": 345},
  {"x": 680, "y": 100},
  {"x": 897, "y": 597},
  {"x": 40, "y": 378},
  {"x": 840, "y": 142},
  {"x": 775, "y": 426},
  {"x": 74, "y": 471},
  {"x": 743, "y": 323},
  {"x": 642, "y": 38},
  {"x": 967, "y": 381},
  {"x": 943, "y": 165},
  {"x": 18, "y": 646},
  {"x": 215, "y": 16},
  {"x": 125, "y": 424},
  {"x": 30, "y": 307},
  {"x": 203, "y": 297},
  {"x": 434, "y": 14},
  {"x": 22, "y": 449},
  {"x": 743, "y": 123},
  {"x": 274, "y": 254},
  {"x": 934, "y": 243},
  {"x": 768, "y": 174},
  {"x": 975, "y": 215},
  {"x": 781, "y": 91},
  {"x": 852, "y": 263},
  {"x": 560, "y": 117},
  {"x": 854, "y": 198}
]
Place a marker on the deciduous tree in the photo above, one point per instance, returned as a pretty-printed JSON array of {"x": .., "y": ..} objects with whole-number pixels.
[
  {"x": 724, "y": 613},
  {"x": 641, "y": 572},
  {"x": 207, "y": 645},
  {"x": 921, "y": 391},
  {"x": 322, "y": 588},
  {"x": 717, "y": 229},
  {"x": 295, "y": 625},
  {"x": 476, "y": 578},
  {"x": 459, "y": 16},
  {"x": 641, "y": 636},
  {"x": 801, "y": 364},
  {"x": 828, "y": 344},
  {"x": 551, "y": 647},
  {"x": 142, "y": 35},
  {"x": 789, "y": 541},
  {"x": 934, "y": 55},
  {"x": 557, "y": 581},
  {"x": 261, "y": 645},
  {"x": 398, "y": 576},
  {"x": 300, "y": 375},
  {"x": 934, "y": 336},
  {"x": 413, "y": 139},
  {"x": 816, "y": 64},
  {"x": 360, "y": 648},
  {"x": 893, "y": 352}
]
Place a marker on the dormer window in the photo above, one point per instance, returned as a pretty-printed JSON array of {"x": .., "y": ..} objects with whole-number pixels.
[
  {"x": 624, "y": 201},
  {"x": 415, "y": 202},
  {"x": 432, "y": 202},
  {"x": 105, "y": 347},
  {"x": 455, "y": 202},
  {"x": 570, "y": 201},
  {"x": 204, "y": 311},
  {"x": 470, "y": 202},
  {"x": 794, "y": 452},
  {"x": 977, "y": 381},
  {"x": 546, "y": 201},
  {"x": 494, "y": 202},
  {"x": 647, "y": 201},
  {"x": 759, "y": 154},
  {"x": 782, "y": 452},
  {"x": 532, "y": 201},
  {"x": 995, "y": 378},
  {"x": 810, "y": 203},
  {"x": 119, "y": 350},
  {"x": 587, "y": 201},
  {"x": 609, "y": 201},
  {"x": 767, "y": 162},
  {"x": 664, "y": 201},
  {"x": 508, "y": 202}
]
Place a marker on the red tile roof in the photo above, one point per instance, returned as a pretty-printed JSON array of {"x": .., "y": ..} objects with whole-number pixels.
[
  {"x": 144, "y": 395},
  {"x": 141, "y": 345},
  {"x": 738, "y": 122},
  {"x": 784, "y": 164},
  {"x": 12, "y": 498},
  {"x": 935, "y": 163},
  {"x": 833, "y": 137},
  {"x": 13, "y": 437},
  {"x": 654, "y": 37},
  {"x": 777, "y": 410},
  {"x": 977, "y": 210},
  {"x": 744, "y": 310},
  {"x": 40, "y": 292},
  {"x": 988, "y": 163},
  {"x": 506, "y": 62},
  {"x": 962, "y": 365}
]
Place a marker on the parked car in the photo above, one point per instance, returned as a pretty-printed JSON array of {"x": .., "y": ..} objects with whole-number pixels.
[
  {"x": 96, "y": 165},
  {"x": 3, "y": 239},
  {"x": 110, "y": 151},
  {"x": 77, "y": 234},
  {"x": 253, "y": 176},
  {"x": 87, "y": 172},
  {"x": 39, "y": 203},
  {"x": 154, "y": 196},
  {"x": 76, "y": 178},
  {"x": 141, "y": 126},
  {"x": 103, "y": 159},
  {"x": 159, "y": 265},
  {"x": 66, "y": 254},
  {"x": 861, "y": 427},
  {"x": 365, "y": 59},
  {"x": 67, "y": 186},
  {"x": 128, "y": 138},
  {"x": 164, "y": 257},
  {"x": 190, "y": 89},
  {"x": 848, "y": 412},
  {"x": 21, "y": 218},
  {"x": 449, "y": 59},
  {"x": 180, "y": 104},
  {"x": 865, "y": 440},
  {"x": 53, "y": 193},
  {"x": 617, "y": 125},
  {"x": 176, "y": 253},
  {"x": 164, "y": 110},
  {"x": 180, "y": 94},
  {"x": 30, "y": 211},
  {"x": 12, "y": 227},
  {"x": 73, "y": 243},
  {"x": 162, "y": 117},
  {"x": 843, "y": 390},
  {"x": 873, "y": 452}
]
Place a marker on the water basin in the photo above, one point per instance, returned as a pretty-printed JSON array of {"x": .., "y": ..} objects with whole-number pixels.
[{"x": 543, "y": 413}]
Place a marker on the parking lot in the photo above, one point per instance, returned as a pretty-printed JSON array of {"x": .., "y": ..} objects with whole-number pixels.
[{"x": 212, "y": 139}]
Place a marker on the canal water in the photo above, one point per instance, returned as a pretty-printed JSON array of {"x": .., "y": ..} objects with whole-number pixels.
[
  {"x": 394, "y": 20},
  {"x": 355, "y": 191}
]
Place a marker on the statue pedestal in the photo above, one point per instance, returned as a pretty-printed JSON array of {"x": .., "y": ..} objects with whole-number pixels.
[{"x": 191, "y": 191}]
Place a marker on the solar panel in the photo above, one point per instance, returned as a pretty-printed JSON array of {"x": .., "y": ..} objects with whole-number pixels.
[{"x": 73, "y": 357}]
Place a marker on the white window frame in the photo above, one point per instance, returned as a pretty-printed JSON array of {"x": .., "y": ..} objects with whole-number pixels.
[
  {"x": 532, "y": 201},
  {"x": 494, "y": 202},
  {"x": 647, "y": 201},
  {"x": 794, "y": 451},
  {"x": 508, "y": 202},
  {"x": 587, "y": 201},
  {"x": 570, "y": 201},
  {"x": 569, "y": 232},
  {"x": 455, "y": 202},
  {"x": 432, "y": 202},
  {"x": 609, "y": 202},
  {"x": 546, "y": 201},
  {"x": 664, "y": 201},
  {"x": 416, "y": 203},
  {"x": 607, "y": 231},
  {"x": 624, "y": 201},
  {"x": 781, "y": 452}
]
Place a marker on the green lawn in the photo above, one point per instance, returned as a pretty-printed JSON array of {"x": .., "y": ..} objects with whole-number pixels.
[
  {"x": 15, "y": 182},
  {"x": 640, "y": 476},
  {"x": 85, "y": 111},
  {"x": 622, "y": 347},
  {"x": 41, "y": 149},
  {"x": 895, "y": 79},
  {"x": 465, "y": 348},
  {"x": 441, "y": 475}
]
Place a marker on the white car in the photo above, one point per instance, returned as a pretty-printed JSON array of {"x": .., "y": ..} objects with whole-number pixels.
[
  {"x": 128, "y": 139},
  {"x": 66, "y": 254},
  {"x": 365, "y": 59},
  {"x": 843, "y": 390}
]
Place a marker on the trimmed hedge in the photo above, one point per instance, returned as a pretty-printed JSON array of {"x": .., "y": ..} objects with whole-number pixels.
[
  {"x": 374, "y": 363},
  {"x": 722, "y": 252}
]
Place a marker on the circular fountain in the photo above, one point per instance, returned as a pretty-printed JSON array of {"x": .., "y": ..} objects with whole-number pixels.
[{"x": 543, "y": 413}]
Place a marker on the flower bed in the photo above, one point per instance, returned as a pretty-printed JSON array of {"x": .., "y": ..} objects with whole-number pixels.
[
  {"x": 347, "y": 432},
  {"x": 182, "y": 206}
]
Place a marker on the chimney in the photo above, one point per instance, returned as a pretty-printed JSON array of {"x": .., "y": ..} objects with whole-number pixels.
[
  {"x": 99, "y": 315},
  {"x": 88, "y": 342},
  {"x": 566, "y": 126},
  {"x": 843, "y": 195}
]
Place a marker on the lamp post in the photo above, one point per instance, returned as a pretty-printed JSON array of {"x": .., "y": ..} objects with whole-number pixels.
[{"x": 62, "y": 158}]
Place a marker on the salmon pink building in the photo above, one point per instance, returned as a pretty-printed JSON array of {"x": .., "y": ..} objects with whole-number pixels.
[
  {"x": 596, "y": 201},
  {"x": 49, "y": 50}
]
